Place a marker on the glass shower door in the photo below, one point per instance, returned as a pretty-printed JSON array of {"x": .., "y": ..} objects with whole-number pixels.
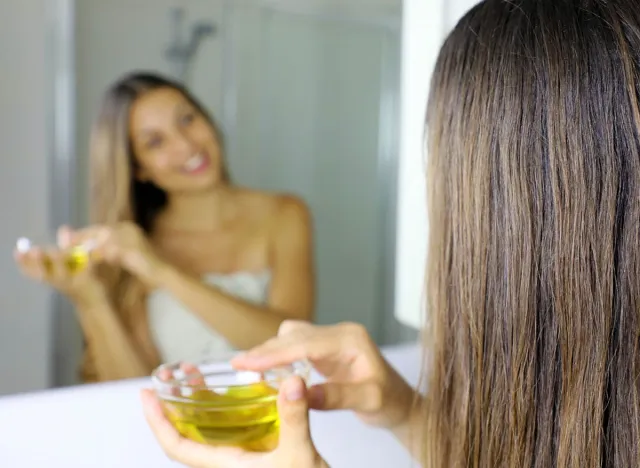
[{"x": 314, "y": 114}]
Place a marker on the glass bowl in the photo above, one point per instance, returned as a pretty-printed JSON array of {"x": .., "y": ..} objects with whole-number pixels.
[{"x": 212, "y": 403}]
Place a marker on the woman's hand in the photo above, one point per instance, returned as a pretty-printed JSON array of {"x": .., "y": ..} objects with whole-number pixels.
[
  {"x": 295, "y": 448},
  {"x": 126, "y": 245},
  {"x": 357, "y": 376},
  {"x": 50, "y": 266}
]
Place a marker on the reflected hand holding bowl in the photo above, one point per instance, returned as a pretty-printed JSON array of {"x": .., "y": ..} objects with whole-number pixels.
[{"x": 62, "y": 264}]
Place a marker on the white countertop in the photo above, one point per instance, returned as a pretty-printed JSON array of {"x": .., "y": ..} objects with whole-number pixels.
[{"x": 101, "y": 426}]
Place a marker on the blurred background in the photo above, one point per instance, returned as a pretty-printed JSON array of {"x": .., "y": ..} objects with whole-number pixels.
[{"x": 307, "y": 93}]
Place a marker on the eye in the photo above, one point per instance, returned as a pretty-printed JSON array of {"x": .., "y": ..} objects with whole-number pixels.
[
  {"x": 154, "y": 143},
  {"x": 187, "y": 119}
]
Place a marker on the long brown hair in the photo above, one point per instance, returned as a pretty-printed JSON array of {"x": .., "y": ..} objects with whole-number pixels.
[
  {"x": 534, "y": 253},
  {"x": 116, "y": 195}
]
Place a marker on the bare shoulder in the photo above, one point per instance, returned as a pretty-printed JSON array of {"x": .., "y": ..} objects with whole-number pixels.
[
  {"x": 293, "y": 209},
  {"x": 291, "y": 225},
  {"x": 282, "y": 211}
]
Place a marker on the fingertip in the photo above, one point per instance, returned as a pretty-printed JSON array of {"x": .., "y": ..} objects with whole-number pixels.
[
  {"x": 239, "y": 357},
  {"x": 188, "y": 367},
  {"x": 192, "y": 374},
  {"x": 147, "y": 397},
  {"x": 65, "y": 232},
  {"x": 241, "y": 361},
  {"x": 151, "y": 405},
  {"x": 165, "y": 374},
  {"x": 294, "y": 413},
  {"x": 294, "y": 389}
]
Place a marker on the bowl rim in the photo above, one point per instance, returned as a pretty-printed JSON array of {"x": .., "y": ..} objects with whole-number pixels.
[{"x": 300, "y": 368}]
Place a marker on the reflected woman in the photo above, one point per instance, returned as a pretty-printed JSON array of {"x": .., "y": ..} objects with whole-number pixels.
[{"x": 186, "y": 264}]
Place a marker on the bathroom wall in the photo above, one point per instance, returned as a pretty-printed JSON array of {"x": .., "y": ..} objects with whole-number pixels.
[{"x": 25, "y": 315}]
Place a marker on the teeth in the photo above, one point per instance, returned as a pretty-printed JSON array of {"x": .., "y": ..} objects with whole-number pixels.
[{"x": 194, "y": 162}]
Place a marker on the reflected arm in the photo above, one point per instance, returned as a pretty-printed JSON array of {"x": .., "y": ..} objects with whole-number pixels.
[{"x": 113, "y": 352}]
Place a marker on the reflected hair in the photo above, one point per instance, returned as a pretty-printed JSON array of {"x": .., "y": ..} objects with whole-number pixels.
[{"x": 533, "y": 279}]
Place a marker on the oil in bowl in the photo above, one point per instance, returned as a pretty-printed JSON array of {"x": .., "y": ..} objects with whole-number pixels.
[{"x": 214, "y": 404}]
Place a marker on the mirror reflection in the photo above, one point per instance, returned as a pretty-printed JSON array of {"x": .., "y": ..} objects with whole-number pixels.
[{"x": 217, "y": 167}]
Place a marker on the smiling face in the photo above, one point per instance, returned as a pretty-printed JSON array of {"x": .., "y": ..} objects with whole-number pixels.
[{"x": 175, "y": 145}]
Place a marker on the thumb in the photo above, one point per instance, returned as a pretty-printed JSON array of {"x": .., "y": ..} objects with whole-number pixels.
[
  {"x": 293, "y": 410},
  {"x": 64, "y": 237}
]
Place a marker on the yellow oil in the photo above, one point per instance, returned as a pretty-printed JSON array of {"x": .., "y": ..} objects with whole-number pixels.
[
  {"x": 75, "y": 260},
  {"x": 245, "y": 416}
]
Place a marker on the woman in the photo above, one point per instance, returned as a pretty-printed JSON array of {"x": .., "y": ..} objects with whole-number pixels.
[
  {"x": 534, "y": 272},
  {"x": 188, "y": 265}
]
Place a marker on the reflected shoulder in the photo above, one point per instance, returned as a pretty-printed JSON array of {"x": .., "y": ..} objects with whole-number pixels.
[
  {"x": 280, "y": 207},
  {"x": 293, "y": 210}
]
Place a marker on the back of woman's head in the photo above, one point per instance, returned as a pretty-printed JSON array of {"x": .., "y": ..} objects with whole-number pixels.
[{"x": 533, "y": 328}]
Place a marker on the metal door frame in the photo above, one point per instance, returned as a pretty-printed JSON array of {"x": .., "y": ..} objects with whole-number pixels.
[{"x": 63, "y": 163}]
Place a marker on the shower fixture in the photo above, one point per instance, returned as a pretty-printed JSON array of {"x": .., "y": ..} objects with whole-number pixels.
[{"x": 181, "y": 49}]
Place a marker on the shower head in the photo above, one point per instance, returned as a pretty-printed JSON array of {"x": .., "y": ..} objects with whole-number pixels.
[
  {"x": 203, "y": 29},
  {"x": 180, "y": 52}
]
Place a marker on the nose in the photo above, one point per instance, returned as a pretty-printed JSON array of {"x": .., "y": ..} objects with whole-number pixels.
[{"x": 182, "y": 145}]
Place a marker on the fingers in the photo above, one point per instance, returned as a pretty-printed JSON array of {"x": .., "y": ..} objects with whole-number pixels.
[
  {"x": 32, "y": 263},
  {"x": 362, "y": 397},
  {"x": 93, "y": 233},
  {"x": 293, "y": 409},
  {"x": 193, "y": 376},
  {"x": 64, "y": 236},
  {"x": 288, "y": 327},
  {"x": 295, "y": 341},
  {"x": 300, "y": 340},
  {"x": 108, "y": 251},
  {"x": 183, "y": 450},
  {"x": 57, "y": 269},
  {"x": 102, "y": 241}
]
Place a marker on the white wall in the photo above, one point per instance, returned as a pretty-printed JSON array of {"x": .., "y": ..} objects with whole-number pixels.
[
  {"x": 425, "y": 25},
  {"x": 25, "y": 311}
]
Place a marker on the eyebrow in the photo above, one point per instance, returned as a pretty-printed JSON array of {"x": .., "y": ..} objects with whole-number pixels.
[
  {"x": 178, "y": 108},
  {"x": 184, "y": 106},
  {"x": 145, "y": 132}
]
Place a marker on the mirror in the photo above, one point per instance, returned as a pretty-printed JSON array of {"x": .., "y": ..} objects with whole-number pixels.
[{"x": 307, "y": 95}]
